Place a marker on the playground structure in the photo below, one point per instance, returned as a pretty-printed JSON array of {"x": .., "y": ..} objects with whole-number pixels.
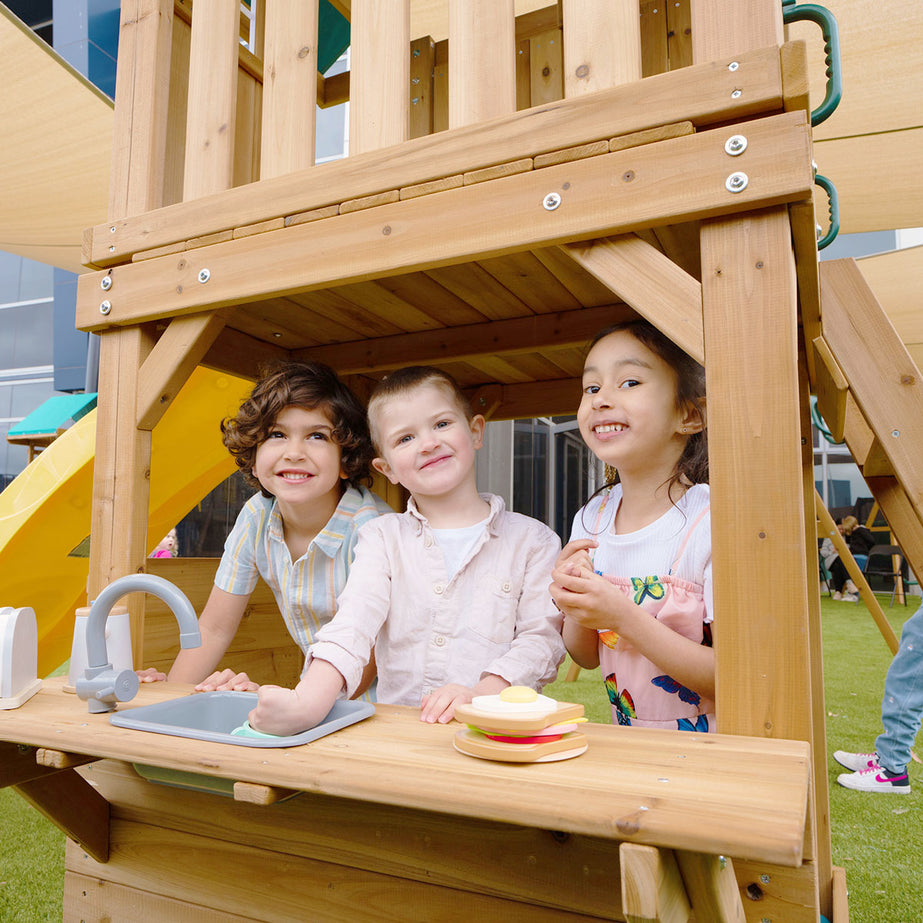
[{"x": 508, "y": 192}]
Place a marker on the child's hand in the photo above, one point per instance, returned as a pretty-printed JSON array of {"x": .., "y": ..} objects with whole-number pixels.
[
  {"x": 151, "y": 675},
  {"x": 222, "y": 680},
  {"x": 577, "y": 553},
  {"x": 588, "y": 599},
  {"x": 278, "y": 711},
  {"x": 440, "y": 704}
]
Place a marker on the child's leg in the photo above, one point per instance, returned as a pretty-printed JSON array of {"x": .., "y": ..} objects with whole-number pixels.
[{"x": 902, "y": 705}]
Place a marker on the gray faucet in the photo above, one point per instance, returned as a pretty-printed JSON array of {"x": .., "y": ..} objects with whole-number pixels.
[{"x": 102, "y": 686}]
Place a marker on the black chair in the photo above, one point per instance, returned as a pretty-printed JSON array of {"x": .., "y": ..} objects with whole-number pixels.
[{"x": 886, "y": 561}]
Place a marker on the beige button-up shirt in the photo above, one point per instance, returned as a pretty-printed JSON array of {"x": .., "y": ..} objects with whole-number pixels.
[{"x": 494, "y": 615}]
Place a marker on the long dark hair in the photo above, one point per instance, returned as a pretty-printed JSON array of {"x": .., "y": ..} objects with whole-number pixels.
[{"x": 692, "y": 466}]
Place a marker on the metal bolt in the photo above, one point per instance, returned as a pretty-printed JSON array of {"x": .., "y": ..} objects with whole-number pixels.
[
  {"x": 765, "y": 879},
  {"x": 112, "y": 229},
  {"x": 737, "y": 94},
  {"x": 736, "y": 182},
  {"x": 105, "y": 283},
  {"x": 551, "y": 201},
  {"x": 895, "y": 433},
  {"x": 733, "y": 66},
  {"x": 722, "y": 862},
  {"x": 204, "y": 275},
  {"x": 105, "y": 307},
  {"x": 735, "y": 145}
]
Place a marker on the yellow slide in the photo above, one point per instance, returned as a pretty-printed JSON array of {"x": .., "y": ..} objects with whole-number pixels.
[{"x": 45, "y": 511}]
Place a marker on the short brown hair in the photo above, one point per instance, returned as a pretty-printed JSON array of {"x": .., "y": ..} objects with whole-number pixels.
[{"x": 311, "y": 385}]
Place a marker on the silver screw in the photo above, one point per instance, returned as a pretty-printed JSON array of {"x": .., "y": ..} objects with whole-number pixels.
[
  {"x": 105, "y": 283},
  {"x": 551, "y": 201},
  {"x": 105, "y": 307},
  {"x": 733, "y": 66},
  {"x": 204, "y": 275},
  {"x": 764, "y": 879},
  {"x": 735, "y": 145},
  {"x": 736, "y": 182},
  {"x": 737, "y": 94},
  {"x": 895, "y": 433},
  {"x": 722, "y": 862},
  {"x": 112, "y": 229}
]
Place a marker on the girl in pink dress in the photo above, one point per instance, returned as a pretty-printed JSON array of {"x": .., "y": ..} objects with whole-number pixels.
[{"x": 634, "y": 582}]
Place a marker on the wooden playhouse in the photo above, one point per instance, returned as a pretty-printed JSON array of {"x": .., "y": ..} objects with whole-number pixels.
[{"x": 511, "y": 186}]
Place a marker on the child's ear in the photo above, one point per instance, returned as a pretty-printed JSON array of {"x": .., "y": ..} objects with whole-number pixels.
[
  {"x": 477, "y": 425},
  {"x": 381, "y": 466},
  {"x": 694, "y": 419}
]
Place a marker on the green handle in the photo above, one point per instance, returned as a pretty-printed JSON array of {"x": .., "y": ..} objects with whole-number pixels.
[
  {"x": 833, "y": 211},
  {"x": 811, "y": 12}
]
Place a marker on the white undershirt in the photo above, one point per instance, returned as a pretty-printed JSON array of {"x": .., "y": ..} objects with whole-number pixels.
[{"x": 456, "y": 543}]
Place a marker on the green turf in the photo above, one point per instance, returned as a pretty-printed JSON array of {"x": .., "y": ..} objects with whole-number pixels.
[{"x": 878, "y": 839}]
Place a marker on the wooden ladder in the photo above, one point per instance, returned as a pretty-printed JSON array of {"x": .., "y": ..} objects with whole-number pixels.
[{"x": 870, "y": 393}]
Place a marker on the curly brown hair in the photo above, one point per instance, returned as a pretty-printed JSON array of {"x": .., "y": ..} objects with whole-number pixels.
[{"x": 311, "y": 385}]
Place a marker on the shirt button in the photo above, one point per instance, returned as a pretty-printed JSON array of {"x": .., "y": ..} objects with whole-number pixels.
[
  {"x": 438, "y": 588},
  {"x": 439, "y": 640},
  {"x": 506, "y": 587}
]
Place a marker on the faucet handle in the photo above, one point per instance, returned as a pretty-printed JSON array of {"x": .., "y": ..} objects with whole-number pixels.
[{"x": 103, "y": 687}]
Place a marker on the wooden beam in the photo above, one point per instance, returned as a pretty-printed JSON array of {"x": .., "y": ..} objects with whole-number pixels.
[
  {"x": 527, "y": 399},
  {"x": 254, "y": 793},
  {"x": 831, "y": 388},
  {"x": 602, "y": 44},
  {"x": 651, "y": 283},
  {"x": 139, "y": 135},
  {"x": 239, "y": 354},
  {"x": 452, "y": 344},
  {"x": 170, "y": 363},
  {"x": 379, "y": 83},
  {"x": 211, "y": 113},
  {"x": 482, "y": 60},
  {"x": 75, "y": 807},
  {"x": 611, "y": 193},
  {"x": 289, "y": 87},
  {"x": 652, "y": 887},
  {"x": 422, "y": 64},
  {"x": 711, "y": 886},
  {"x": 882, "y": 376},
  {"x": 701, "y": 94}
]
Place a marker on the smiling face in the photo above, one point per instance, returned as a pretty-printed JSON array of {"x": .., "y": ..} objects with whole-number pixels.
[
  {"x": 298, "y": 462},
  {"x": 426, "y": 441},
  {"x": 628, "y": 415}
]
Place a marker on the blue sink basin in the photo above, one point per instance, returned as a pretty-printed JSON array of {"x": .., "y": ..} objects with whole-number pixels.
[{"x": 213, "y": 715}]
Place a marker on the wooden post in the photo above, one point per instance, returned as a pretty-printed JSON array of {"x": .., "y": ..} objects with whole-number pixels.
[
  {"x": 482, "y": 60},
  {"x": 602, "y": 44},
  {"x": 211, "y": 114},
  {"x": 289, "y": 87},
  {"x": 762, "y": 626},
  {"x": 379, "y": 112}
]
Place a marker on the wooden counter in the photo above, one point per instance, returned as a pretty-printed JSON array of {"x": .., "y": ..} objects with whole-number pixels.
[{"x": 395, "y": 812}]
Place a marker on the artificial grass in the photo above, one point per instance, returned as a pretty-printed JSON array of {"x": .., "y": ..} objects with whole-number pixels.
[{"x": 876, "y": 838}]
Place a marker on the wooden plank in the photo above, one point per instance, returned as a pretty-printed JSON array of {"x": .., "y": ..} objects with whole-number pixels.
[
  {"x": 778, "y": 893},
  {"x": 602, "y": 44},
  {"x": 422, "y": 64},
  {"x": 700, "y": 94},
  {"x": 211, "y": 114},
  {"x": 219, "y": 874},
  {"x": 90, "y": 898},
  {"x": 482, "y": 62},
  {"x": 73, "y": 806},
  {"x": 289, "y": 87},
  {"x": 265, "y": 795},
  {"x": 831, "y": 388},
  {"x": 651, "y": 283},
  {"x": 652, "y": 888},
  {"x": 711, "y": 886},
  {"x": 506, "y": 338},
  {"x": 656, "y": 184},
  {"x": 58, "y": 759},
  {"x": 654, "y": 49},
  {"x": 546, "y": 68},
  {"x": 882, "y": 376},
  {"x": 139, "y": 134},
  {"x": 247, "y": 126},
  {"x": 379, "y": 110},
  {"x": 170, "y": 363}
]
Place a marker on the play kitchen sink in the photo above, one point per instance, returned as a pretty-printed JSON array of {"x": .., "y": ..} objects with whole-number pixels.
[{"x": 213, "y": 716}]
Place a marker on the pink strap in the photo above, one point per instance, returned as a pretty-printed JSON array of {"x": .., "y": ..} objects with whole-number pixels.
[{"x": 692, "y": 528}]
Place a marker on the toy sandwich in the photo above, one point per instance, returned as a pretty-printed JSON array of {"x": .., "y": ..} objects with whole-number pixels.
[{"x": 520, "y": 726}]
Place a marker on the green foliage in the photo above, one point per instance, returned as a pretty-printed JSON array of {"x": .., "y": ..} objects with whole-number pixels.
[{"x": 876, "y": 838}]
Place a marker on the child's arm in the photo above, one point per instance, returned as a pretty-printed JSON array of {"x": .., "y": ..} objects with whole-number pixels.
[
  {"x": 290, "y": 711},
  {"x": 218, "y": 624},
  {"x": 440, "y": 704},
  {"x": 582, "y": 643},
  {"x": 592, "y": 602}
]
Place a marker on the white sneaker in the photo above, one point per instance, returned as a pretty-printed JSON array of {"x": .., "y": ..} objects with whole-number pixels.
[
  {"x": 876, "y": 779},
  {"x": 856, "y": 762},
  {"x": 851, "y": 587},
  {"x": 850, "y": 598},
  {"x": 837, "y": 595}
]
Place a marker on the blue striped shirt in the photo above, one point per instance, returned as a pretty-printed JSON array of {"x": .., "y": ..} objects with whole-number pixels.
[{"x": 305, "y": 590}]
